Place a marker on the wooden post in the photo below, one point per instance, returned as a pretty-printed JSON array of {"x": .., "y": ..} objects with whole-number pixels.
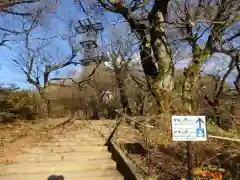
[
  {"x": 116, "y": 126},
  {"x": 190, "y": 161},
  {"x": 148, "y": 150},
  {"x": 125, "y": 114},
  {"x": 114, "y": 131}
]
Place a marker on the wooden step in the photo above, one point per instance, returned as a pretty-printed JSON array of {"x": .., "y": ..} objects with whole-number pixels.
[
  {"x": 86, "y": 175},
  {"x": 35, "y": 157},
  {"x": 66, "y": 142},
  {"x": 66, "y": 149},
  {"x": 51, "y": 167},
  {"x": 41, "y": 178},
  {"x": 77, "y": 138}
]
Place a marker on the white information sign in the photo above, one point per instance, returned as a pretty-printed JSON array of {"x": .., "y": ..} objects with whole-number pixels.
[{"x": 189, "y": 128}]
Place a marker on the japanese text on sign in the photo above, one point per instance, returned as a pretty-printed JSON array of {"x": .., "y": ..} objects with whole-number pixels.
[{"x": 189, "y": 128}]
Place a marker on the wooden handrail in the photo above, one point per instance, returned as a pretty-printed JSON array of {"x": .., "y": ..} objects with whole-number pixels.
[
  {"x": 145, "y": 138},
  {"x": 114, "y": 130},
  {"x": 144, "y": 124},
  {"x": 224, "y": 138}
]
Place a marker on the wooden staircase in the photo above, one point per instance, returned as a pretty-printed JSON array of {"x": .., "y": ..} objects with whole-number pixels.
[{"x": 77, "y": 154}]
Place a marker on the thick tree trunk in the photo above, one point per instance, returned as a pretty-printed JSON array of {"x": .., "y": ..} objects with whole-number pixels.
[
  {"x": 46, "y": 101},
  {"x": 217, "y": 113},
  {"x": 141, "y": 108},
  {"x": 163, "y": 84},
  {"x": 160, "y": 80},
  {"x": 191, "y": 75},
  {"x": 149, "y": 67},
  {"x": 49, "y": 107},
  {"x": 214, "y": 103},
  {"x": 140, "y": 104},
  {"x": 120, "y": 78},
  {"x": 188, "y": 86}
]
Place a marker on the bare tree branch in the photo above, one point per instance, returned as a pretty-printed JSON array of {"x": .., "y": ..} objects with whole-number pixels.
[
  {"x": 10, "y": 31},
  {"x": 16, "y": 13},
  {"x": 4, "y": 4},
  {"x": 236, "y": 35},
  {"x": 78, "y": 83}
]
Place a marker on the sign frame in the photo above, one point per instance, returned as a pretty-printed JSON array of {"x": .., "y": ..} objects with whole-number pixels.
[{"x": 184, "y": 128}]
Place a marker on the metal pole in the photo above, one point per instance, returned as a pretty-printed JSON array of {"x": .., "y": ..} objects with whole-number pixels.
[{"x": 190, "y": 161}]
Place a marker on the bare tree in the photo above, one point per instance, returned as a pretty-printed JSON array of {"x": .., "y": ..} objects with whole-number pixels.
[
  {"x": 36, "y": 65},
  {"x": 20, "y": 8},
  {"x": 36, "y": 62},
  {"x": 119, "y": 63},
  {"x": 21, "y": 11},
  {"x": 213, "y": 95},
  {"x": 120, "y": 53},
  {"x": 139, "y": 90},
  {"x": 152, "y": 36},
  {"x": 197, "y": 20}
]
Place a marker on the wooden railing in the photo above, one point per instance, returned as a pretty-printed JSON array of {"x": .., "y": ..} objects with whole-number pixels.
[{"x": 130, "y": 121}]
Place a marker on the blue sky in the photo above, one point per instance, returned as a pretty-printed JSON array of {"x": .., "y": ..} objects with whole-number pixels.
[
  {"x": 54, "y": 24},
  {"x": 57, "y": 24}
]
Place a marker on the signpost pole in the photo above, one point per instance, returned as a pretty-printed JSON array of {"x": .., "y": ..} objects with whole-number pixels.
[{"x": 190, "y": 161}]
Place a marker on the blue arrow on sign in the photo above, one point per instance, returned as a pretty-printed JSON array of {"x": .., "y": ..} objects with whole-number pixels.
[{"x": 200, "y": 122}]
